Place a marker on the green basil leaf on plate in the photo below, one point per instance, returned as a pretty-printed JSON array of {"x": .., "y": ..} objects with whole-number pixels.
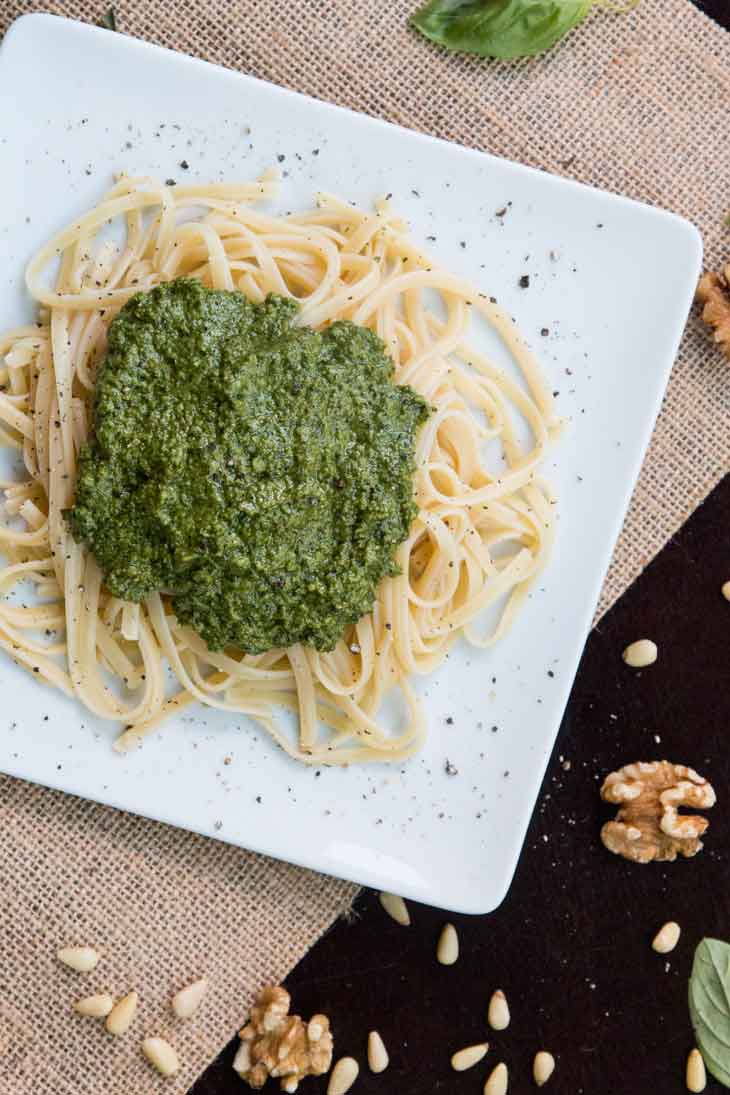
[
  {"x": 709, "y": 1006},
  {"x": 499, "y": 28}
]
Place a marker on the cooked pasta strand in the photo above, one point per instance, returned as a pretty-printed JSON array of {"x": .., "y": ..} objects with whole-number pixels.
[{"x": 485, "y": 525}]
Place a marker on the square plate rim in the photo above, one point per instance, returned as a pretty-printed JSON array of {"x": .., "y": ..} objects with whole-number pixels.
[
  {"x": 130, "y": 42},
  {"x": 686, "y": 232}
]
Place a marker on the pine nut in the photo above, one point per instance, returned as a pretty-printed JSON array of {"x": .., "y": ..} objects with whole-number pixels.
[
  {"x": 543, "y": 1067},
  {"x": 96, "y": 1007},
  {"x": 725, "y": 590},
  {"x": 447, "y": 950},
  {"x": 378, "y": 1058},
  {"x": 498, "y": 1015},
  {"x": 315, "y": 1028},
  {"x": 343, "y": 1076},
  {"x": 497, "y": 1080},
  {"x": 242, "y": 1060},
  {"x": 696, "y": 1075},
  {"x": 187, "y": 1001},
  {"x": 469, "y": 1056},
  {"x": 641, "y": 653},
  {"x": 162, "y": 1055},
  {"x": 82, "y": 959},
  {"x": 666, "y": 938},
  {"x": 122, "y": 1014},
  {"x": 396, "y": 908}
]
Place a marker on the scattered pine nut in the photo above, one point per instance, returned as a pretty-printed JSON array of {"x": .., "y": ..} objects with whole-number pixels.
[
  {"x": 187, "y": 1001},
  {"x": 162, "y": 1055},
  {"x": 725, "y": 590},
  {"x": 396, "y": 908},
  {"x": 666, "y": 938},
  {"x": 641, "y": 653},
  {"x": 447, "y": 950},
  {"x": 497, "y": 1081},
  {"x": 378, "y": 1058},
  {"x": 96, "y": 1007},
  {"x": 696, "y": 1075},
  {"x": 343, "y": 1076},
  {"x": 498, "y": 1015},
  {"x": 242, "y": 1060},
  {"x": 82, "y": 959},
  {"x": 469, "y": 1056},
  {"x": 122, "y": 1015},
  {"x": 543, "y": 1067},
  {"x": 315, "y": 1028}
]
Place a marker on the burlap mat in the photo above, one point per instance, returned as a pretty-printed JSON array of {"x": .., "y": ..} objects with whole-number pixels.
[{"x": 637, "y": 104}]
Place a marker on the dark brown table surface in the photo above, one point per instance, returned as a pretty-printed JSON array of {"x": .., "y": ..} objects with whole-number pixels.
[{"x": 570, "y": 945}]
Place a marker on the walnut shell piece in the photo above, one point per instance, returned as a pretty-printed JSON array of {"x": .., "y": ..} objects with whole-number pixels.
[
  {"x": 713, "y": 293},
  {"x": 648, "y": 825},
  {"x": 274, "y": 1043}
]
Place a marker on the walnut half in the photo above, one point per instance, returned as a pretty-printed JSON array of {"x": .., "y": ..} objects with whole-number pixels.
[
  {"x": 713, "y": 293},
  {"x": 648, "y": 825},
  {"x": 274, "y": 1043}
]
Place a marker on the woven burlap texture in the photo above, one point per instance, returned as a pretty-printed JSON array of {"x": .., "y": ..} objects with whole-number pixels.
[
  {"x": 636, "y": 104},
  {"x": 163, "y": 907}
]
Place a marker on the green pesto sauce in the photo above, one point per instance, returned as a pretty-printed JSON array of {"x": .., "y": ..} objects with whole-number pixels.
[{"x": 260, "y": 471}]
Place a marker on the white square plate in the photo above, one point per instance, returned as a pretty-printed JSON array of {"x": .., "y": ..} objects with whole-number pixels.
[{"x": 612, "y": 280}]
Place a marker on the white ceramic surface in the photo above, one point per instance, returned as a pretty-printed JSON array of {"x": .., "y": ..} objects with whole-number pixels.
[{"x": 76, "y": 105}]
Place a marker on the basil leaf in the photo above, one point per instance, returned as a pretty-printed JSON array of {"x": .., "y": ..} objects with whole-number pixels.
[
  {"x": 499, "y": 28},
  {"x": 709, "y": 1006},
  {"x": 108, "y": 20}
]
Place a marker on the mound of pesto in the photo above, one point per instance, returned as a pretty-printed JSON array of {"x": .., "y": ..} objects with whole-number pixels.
[{"x": 260, "y": 472}]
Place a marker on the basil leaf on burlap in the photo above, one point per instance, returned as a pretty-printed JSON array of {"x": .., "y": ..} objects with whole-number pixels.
[
  {"x": 709, "y": 1006},
  {"x": 499, "y": 28},
  {"x": 108, "y": 20}
]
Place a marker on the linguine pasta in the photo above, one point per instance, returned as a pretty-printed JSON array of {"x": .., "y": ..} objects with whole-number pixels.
[{"x": 484, "y": 528}]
